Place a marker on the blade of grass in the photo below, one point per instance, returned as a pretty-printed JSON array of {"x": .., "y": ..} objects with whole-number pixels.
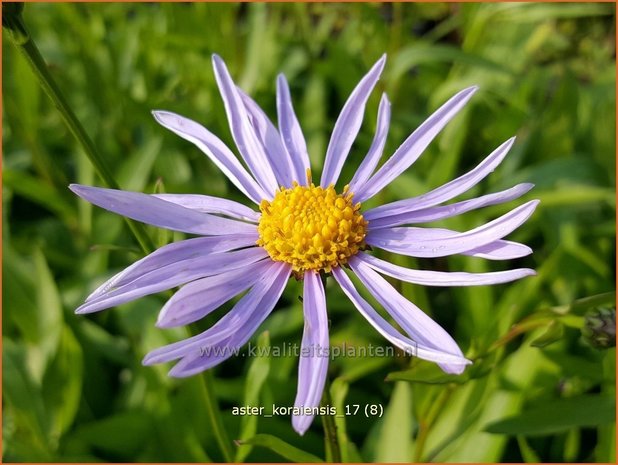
[
  {"x": 282, "y": 448},
  {"x": 18, "y": 33}
]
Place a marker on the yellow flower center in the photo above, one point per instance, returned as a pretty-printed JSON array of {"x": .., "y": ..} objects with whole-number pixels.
[{"x": 311, "y": 228}]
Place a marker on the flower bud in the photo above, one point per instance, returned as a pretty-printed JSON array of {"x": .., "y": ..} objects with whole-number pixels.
[{"x": 600, "y": 328}]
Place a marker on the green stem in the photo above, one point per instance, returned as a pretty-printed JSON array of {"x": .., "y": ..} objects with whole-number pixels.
[
  {"x": 19, "y": 35},
  {"x": 430, "y": 418},
  {"x": 331, "y": 441},
  {"x": 214, "y": 415}
]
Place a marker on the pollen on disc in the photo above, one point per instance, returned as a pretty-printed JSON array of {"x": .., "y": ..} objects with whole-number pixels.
[{"x": 311, "y": 228}]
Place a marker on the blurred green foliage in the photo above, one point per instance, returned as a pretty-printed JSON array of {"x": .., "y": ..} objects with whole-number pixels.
[{"x": 74, "y": 388}]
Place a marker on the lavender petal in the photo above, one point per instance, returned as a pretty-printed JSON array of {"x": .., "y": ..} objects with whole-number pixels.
[
  {"x": 198, "y": 298},
  {"x": 291, "y": 132},
  {"x": 434, "y": 242},
  {"x": 406, "y": 344},
  {"x": 249, "y": 312},
  {"x": 193, "y": 363},
  {"x": 439, "y": 278},
  {"x": 216, "y": 150},
  {"x": 172, "y": 253},
  {"x": 348, "y": 125},
  {"x": 500, "y": 250},
  {"x": 374, "y": 154},
  {"x": 269, "y": 137},
  {"x": 312, "y": 366},
  {"x": 173, "y": 275},
  {"x": 414, "y": 145},
  {"x": 157, "y": 212},
  {"x": 209, "y": 204},
  {"x": 447, "y": 191},
  {"x": 496, "y": 250},
  {"x": 246, "y": 140},
  {"x": 418, "y": 325},
  {"x": 442, "y": 212}
]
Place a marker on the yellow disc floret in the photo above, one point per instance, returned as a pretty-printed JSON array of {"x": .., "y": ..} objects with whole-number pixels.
[{"x": 311, "y": 228}]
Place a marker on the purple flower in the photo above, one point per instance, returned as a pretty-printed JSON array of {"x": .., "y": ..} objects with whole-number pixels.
[{"x": 307, "y": 231}]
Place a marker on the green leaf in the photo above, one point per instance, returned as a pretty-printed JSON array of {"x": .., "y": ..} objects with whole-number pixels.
[
  {"x": 258, "y": 372},
  {"x": 62, "y": 383},
  {"x": 527, "y": 452},
  {"x": 33, "y": 304},
  {"x": 430, "y": 373},
  {"x": 553, "y": 333},
  {"x": 574, "y": 195},
  {"x": 414, "y": 376},
  {"x": 183, "y": 432},
  {"x": 339, "y": 390},
  {"x": 49, "y": 306},
  {"x": 605, "y": 450},
  {"x": 395, "y": 437},
  {"x": 112, "y": 433},
  {"x": 23, "y": 396},
  {"x": 282, "y": 448},
  {"x": 26, "y": 95},
  {"x": 19, "y": 295},
  {"x": 572, "y": 446},
  {"x": 135, "y": 172},
  {"x": 40, "y": 193},
  {"x": 416, "y": 54},
  {"x": 546, "y": 11},
  {"x": 558, "y": 416},
  {"x": 114, "y": 348},
  {"x": 580, "y": 306}
]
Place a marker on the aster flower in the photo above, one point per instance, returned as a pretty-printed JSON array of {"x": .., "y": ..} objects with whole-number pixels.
[{"x": 307, "y": 231}]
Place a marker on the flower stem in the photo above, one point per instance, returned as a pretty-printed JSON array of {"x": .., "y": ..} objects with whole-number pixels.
[
  {"x": 331, "y": 442},
  {"x": 429, "y": 420},
  {"x": 18, "y": 33},
  {"x": 214, "y": 415}
]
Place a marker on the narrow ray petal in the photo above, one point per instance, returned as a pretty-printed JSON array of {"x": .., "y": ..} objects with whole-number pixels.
[
  {"x": 414, "y": 145},
  {"x": 313, "y": 363},
  {"x": 173, "y": 275},
  {"x": 157, "y": 212},
  {"x": 374, "y": 154},
  {"x": 209, "y": 204},
  {"x": 248, "y": 310},
  {"x": 291, "y": 132},
  {"x": 496, "y": 250},
  {"x": 269, "y": 137},
  {"x": 409, "y": 346},
  {"x": 442, "y": 212},
  {"x": 198, "y": 298},
  {"x": 246, "y": 140},
  {"x": 417, "y": 324},
  {"x": 348, "y": 124},
  {"x": 216, "y": 150},
  {"x": 194, "y": 363},
  {"x": 447, "y": 191},
  {"x": 440, "y": 278},
  {"x": 434, "y": 242},
  {"x": 500, "y": 250},
  {"x": 173, "y": 253}
]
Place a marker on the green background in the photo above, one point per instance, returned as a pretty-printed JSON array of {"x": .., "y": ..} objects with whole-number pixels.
[{"x": 73, "y": 386}]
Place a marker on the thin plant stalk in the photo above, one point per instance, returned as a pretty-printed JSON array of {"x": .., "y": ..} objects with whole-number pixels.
[
  {"x": 213, "y": 413},
  {"x": 12, "y": 21},
  {"x": 331, "y": 441}
]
